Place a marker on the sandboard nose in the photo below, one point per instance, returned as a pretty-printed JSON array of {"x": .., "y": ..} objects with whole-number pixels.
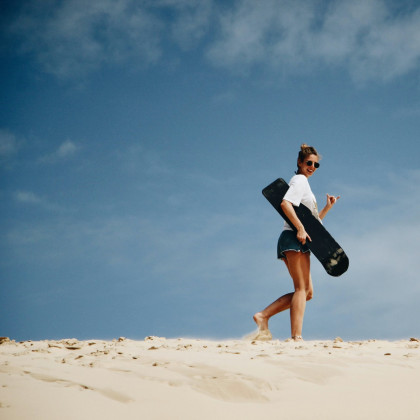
[
  {"x": 337, "y": 272},
  {"x": 337, "y": 264}
]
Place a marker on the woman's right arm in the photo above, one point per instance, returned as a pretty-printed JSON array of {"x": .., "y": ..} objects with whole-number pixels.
[{"x": 289, "y": 211}]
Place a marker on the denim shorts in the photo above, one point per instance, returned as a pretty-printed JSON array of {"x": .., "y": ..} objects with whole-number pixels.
[{"x": 289, "y": 242}]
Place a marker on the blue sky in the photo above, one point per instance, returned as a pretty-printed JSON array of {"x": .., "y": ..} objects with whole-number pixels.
[{"x": 135, "y": 139}]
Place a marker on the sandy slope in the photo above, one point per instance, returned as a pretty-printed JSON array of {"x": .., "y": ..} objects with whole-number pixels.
[{"x": 162, "y": 378}]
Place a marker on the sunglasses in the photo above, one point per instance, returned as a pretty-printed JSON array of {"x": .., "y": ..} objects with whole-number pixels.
[{"x": 309, "y": 163}]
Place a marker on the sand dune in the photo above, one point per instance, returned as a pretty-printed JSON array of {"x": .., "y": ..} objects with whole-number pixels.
[{"x": 160, "y": 378}]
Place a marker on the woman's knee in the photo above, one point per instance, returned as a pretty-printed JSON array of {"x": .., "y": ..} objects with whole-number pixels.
[
  {"x": 306, "y": 290},
  {"x": 309, "y": 294}
]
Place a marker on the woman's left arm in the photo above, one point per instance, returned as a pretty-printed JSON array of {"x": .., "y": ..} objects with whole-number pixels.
[{"x": 331, "y": 200}]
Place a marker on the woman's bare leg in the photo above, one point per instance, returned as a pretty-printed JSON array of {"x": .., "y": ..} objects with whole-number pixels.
[
  {"x": 299, "y": 267},
  {"x": 284, "y": 302},
  {"x": 279, "y": 305}
]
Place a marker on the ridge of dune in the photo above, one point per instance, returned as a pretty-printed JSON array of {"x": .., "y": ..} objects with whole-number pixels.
[{"x": 159, "y": 378}]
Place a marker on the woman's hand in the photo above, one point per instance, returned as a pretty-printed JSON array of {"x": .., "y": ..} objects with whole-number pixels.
[
  {"x": 331, "y": 200},
  {"x": 302, "y": 235},
  {"x": 289, "y": 211}
]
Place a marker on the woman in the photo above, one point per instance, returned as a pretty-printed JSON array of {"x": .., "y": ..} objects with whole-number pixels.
[{"x": 292, "y": 247}]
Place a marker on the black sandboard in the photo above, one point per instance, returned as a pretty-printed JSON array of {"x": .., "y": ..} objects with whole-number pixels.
[{"x": 323, "y": 245}]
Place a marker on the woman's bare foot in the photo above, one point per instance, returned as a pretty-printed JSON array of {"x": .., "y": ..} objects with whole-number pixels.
[
  {"x": 294, "y": 338},
  {"x": 261, "y": 321},
  {"x": 263, "y": 335}
]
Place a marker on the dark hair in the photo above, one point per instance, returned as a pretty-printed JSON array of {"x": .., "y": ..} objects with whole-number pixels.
[{"x": 304, "y": 152}]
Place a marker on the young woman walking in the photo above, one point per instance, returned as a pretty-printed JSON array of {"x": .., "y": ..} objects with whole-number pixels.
[{"x": 292, "y": 247}]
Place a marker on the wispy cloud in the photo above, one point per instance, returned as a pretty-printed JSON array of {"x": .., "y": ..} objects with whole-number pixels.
[
  {"x": 72, "y": 38},
  {"x": 31, "y": 199},
  {"x": 364, "y": 37},
  {"x": 8, "y": 143},
  {"x": 27, "y": 197},
  {"x": 66, "y": 150},
  {"x": 372, "y": 40},
  {"x": 191, "y": 20}
]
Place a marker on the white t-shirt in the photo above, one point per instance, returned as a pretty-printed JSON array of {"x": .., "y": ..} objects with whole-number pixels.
[{"x": 300, "y": 192}]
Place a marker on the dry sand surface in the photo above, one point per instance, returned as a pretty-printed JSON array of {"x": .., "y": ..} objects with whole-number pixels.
[{"x": 160, "y": 378}]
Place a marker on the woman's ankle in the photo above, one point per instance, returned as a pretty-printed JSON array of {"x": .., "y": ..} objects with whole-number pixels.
[{"x": 261, "y": 321}]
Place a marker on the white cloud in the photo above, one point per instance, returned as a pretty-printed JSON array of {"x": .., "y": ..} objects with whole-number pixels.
[
  {"x": 27, "y": 197},
  {"x": 363, "y": 37},
  {"x": 66, "y": 150},
  {"x": 370, "y": 39},
  {"x": 74, "y": 37},
  {"x": 8, "y": 143},
  {"x": 191, "y": 20}
]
